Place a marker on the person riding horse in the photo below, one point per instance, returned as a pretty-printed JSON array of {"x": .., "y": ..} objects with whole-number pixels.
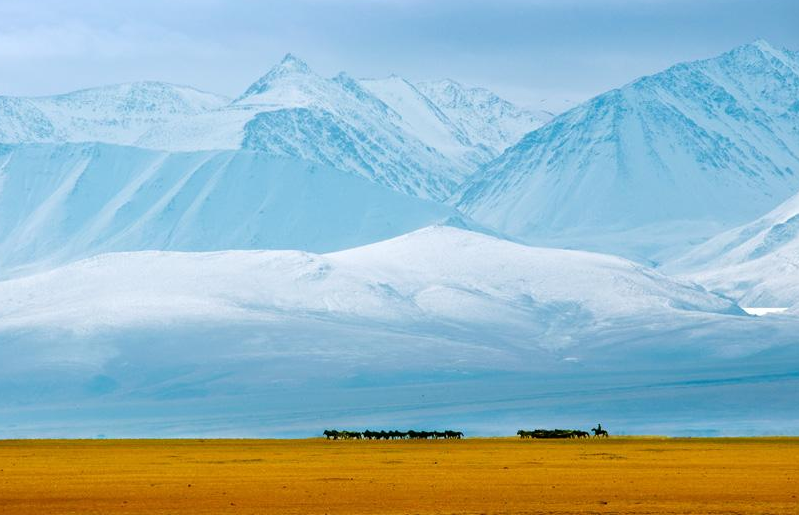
[{"x": 599, "y": 432}]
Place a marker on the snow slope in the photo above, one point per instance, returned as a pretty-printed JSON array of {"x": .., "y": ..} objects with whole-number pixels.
[
  {"x": 662, "y": 162},
  {"x": 757, "y": 264},
  {"x": 420, "y": 116},
  {"x": 62, "y": 202},
  {"x": 437, "y": 273},
  {"x": 437, "y": 327}
]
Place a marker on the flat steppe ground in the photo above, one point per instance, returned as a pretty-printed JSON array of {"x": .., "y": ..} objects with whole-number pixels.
[{"x": 477, "y": 475}]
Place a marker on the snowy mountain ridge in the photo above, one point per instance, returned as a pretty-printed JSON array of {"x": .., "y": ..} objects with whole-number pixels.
[
  {"x": 118, "y": 114},
  {"x": 653, "y": 166},
  {"x": 293, "y": 112},
  {"x": 469, "y": 108},
  {"x": 407, "y": 143}
]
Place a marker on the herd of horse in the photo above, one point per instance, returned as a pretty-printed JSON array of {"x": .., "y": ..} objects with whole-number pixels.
[
  {"x": 563, "y": 433},
  {"x": 332, "y": 434},
  {"x": 598, "y": 431}
]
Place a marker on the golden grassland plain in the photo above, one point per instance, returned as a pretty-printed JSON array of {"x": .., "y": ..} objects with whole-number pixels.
[{"x": 476, "y": 475}]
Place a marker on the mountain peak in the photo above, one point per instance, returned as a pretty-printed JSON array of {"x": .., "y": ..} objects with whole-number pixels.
[
  {"x": 763, "y": 45},
  {"x": 548, "y": 186},
  {"x": 761, "y": 51},
  {"x": 289, "y": 65},
  {"x": 759, "y": 46},
  {"x": 291, "y": 62},
  {"x": 451, "y": 83}
]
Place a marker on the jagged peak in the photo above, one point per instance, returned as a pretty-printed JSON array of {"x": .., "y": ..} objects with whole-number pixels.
[
  {"x": 289, "y": 65},
  {"x": 760, "y": 46},
  {"x": 454, "y": 86},
  {"x": 343, "y": 77},
  {"x": 758, "y": 50},
  {"x": 291, "y": 62},
  {"x": 456, "y": 93},
  {"x": 761, "y": 50},
  {"x": 388, "y": 78},
  {"x": 448, "y": 83}
]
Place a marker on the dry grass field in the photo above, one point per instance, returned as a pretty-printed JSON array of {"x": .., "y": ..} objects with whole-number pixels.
[{"x": 724, "y": 476}]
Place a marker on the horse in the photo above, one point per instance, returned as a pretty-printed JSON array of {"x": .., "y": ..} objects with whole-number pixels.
[
  {"x": 524, "y": 434},
  {"x": 599, "y": 432}
]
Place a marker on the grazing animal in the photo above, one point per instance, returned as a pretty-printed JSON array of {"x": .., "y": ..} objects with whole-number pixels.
[
  {"x": 552, "y": 433},
  {"x": 333, "y": 434}
]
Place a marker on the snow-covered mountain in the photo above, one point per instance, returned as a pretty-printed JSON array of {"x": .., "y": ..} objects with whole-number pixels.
[
  {"x": 118, "y": 114},
  {"x": 385, "y": 130},
  {"x": 62, "y": 202},
  {"x": 486, "y": 119},
  {"x": 291, "y": 111},
  {"x": 470, "y": 126},
  {"x": 218, "y": 273},
  {"x": 757, "y": 264},
  {"x": 440, "y": 324},
  {"x": 660, "y": 163},
  {"x": 421, "y": 117},
  {"x": 436, "y": 274}
]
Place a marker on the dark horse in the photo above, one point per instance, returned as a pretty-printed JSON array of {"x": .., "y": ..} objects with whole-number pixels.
[{"x": 599, "y": 432}]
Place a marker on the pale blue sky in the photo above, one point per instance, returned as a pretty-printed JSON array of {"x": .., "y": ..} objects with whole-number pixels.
[{"x": 536, "y": 52}]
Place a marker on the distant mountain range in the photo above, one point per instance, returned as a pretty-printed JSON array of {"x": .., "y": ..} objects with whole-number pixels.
[
  {"x": 647, "y": 169},
  {"x": 388, "y": 131},
  {"x": 174, "y": 262}
]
